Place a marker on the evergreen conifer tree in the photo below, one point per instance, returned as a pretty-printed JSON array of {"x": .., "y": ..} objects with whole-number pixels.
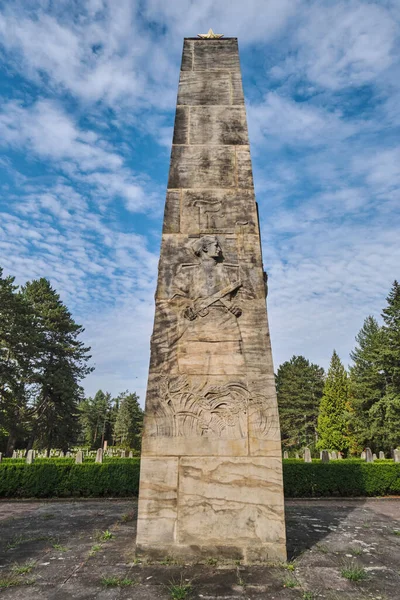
[
  {"x": 332, "y": 418},
  {"x": 18, "y": 356},
  {"x": 62, "y": 364},
  {"x": 299, "y": 386},
  {"x": 129, "y": 421}
]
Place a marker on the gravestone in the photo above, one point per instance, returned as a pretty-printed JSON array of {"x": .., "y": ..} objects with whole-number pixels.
[
  {"x": 130, "y": 455},
  {"x": 211, "y": 466},
  {"x": 381, "y": 455},
  {"x": 374, "y": 457},
  {"x": 30, "y": 457},
  {"x": 286, "y": 454},
  {"x": 297, "y": 455},
  {"x": 396, "y": 455},
  {"x": 105, "y": 445},
  {"x": 14, "y": 454},
  {"x": 79, "y": 457},
  {"x": 99, "y": 456},
  {"x": 363, "y": 455},
  {"x": 333, "y": 455},
  {"x": 307, "y": 455},
  {"x": 1, "y": 456},
  {"x": 325, "y": 456},
  {"x": 368, "y": 455}
]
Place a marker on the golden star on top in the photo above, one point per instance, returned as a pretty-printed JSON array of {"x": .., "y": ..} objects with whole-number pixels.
[{"x": 210, "y": 35}]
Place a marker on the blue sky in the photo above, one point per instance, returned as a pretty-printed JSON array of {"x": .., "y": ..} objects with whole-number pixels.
[{"x": 88, "y": 92}]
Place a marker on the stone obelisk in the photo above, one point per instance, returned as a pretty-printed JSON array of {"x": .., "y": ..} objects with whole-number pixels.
[{"x": 211, "y": 470}]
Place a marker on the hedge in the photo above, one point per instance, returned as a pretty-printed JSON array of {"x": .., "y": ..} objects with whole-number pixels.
[
  {"x": 340, "y": 478},
  {"x": 62, "y": 478},
  {"x": 47, "y": 478}
]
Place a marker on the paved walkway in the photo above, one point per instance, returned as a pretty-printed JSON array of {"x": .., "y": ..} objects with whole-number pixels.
[{"x": 85, "y": 550}]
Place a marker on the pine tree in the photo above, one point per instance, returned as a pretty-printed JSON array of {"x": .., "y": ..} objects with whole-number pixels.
[
  {"x": 129, "y": 422},
  {"x": 391, "y": 337},
  {"x": 366, "y": 385},
  {"x": 299, "y": 385},
  {"x": 384, "y": 415},
  {"x": 62, "y": 364},
  {"x": 18, "y": 355},
  {"x": 96, "y": 419},
  {"x": 332, "y": 417}
]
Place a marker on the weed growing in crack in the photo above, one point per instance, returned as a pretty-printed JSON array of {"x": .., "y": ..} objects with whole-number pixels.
[
  {"x": 60, "y": 548},
  {"x": 117, "y": 581},
  {"x": 290, "y": 582},
  {"x": 179, "y": 591},
  {"x": 95, "y": 548},
  {"x": 23, "y": 569},
  {"x": 6, "y": 582},
  {"x": 353, "y": 572},
  {"x": 127, "y": 517}
]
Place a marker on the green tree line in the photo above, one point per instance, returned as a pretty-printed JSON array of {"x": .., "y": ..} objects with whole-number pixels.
[
  {"x": 42, "y": 362},
  {"x": 347, "y": 410}
]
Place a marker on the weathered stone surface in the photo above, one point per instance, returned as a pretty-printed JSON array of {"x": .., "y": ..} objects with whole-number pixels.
[
  {"x": 211, "y": 452},
  {"x": 211, "y": 55},
  {"x": 30, "y": 457},
  {"x": 218, "y": 211},
  {"x": 218, "y": 125},
  {"x": 99, "y": 456},
  {"x": 181, "y": 125},
  {"x": 203, "y": 88},
  {"x": 307, "y": 455},
  {"x": 202, "y": 167},
  {"x": 172, "y": 212},
  {"x": 79, "y": 457}
]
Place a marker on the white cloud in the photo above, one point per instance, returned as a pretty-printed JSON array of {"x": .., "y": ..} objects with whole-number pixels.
[{"x": 279, "y": 120}]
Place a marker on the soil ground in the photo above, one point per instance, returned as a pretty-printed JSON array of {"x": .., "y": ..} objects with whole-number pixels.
[{"x": 85, "y": 549}]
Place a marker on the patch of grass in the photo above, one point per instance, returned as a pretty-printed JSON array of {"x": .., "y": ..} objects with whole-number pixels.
[
  {"x": 9, "y": 581},
  {"x": 353, "y": 572},
  {"x": 289, "y": 582},
  {"x": 127, "y": 517},
  {"x": 309, "y": 596},
  {"x": 289, "y": 566},
  {"x": 95, "y": 548},
  {"x": 23, "y": 569},
  {"x": 396, "y": 531},
  {"x": 60, "y": 548},
  {"x": 106, "y": 535},
  {"x": 355, "y": 551},
  {"x": 117, "y": 581},
  {"x": 21, "y": 539},
  {"x": 179, "y": 591},
  {"x": 212, "y": 561}
]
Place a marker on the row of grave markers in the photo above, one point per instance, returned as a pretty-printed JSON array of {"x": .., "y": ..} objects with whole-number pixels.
[
  {"x": 31, "y": 455},
  {"x": 326, "y": 456}
]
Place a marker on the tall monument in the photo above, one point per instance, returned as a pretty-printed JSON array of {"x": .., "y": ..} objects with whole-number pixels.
[{"x": 211, "y": 470}]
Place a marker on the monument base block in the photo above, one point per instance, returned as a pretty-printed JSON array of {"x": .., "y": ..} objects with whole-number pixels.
[{"x": 198, "y": 507}]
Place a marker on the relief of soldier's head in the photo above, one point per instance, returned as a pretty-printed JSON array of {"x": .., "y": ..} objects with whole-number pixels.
[{"x": 207, "y": 247}]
